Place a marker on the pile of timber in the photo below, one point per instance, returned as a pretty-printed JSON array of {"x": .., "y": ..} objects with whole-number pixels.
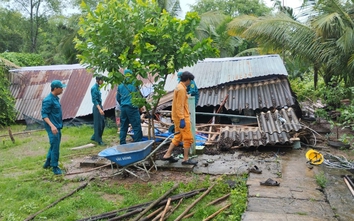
[{"x": 161, "y": 208}]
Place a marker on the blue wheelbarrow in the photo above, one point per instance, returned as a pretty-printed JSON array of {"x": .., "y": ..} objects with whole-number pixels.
[{"x": 133, "y": 155}]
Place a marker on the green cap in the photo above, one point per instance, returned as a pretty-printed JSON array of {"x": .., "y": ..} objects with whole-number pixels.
[{"x": 57, "y": 84}]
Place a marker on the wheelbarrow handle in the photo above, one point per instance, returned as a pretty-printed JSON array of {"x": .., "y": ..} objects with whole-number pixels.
[{"x": 161, "y": 144}]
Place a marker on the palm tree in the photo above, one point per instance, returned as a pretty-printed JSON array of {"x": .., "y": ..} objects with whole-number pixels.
[
  {"x": 213, "y": 24},
  {"x": 326, "y": 40},
  {"x": 171, "y": 6}
]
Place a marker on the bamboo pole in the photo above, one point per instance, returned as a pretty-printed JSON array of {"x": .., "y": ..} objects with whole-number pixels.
[
  {"x": 209, "y": 204},
  {"x": 23, "y": 132},
  {"x": 141, "y": 206},
  {"x": 159, "y": 215},
  {"x": 220, "y": 115},
  {"x": 348, "y": 185},
  {"x": 173, "y": 209},
  {"x": 152, "y": 214},
  {"x": 217, "y": 212},
  {"x": 62, "y": 198},
  {"x": 166, "y": 208},
  {"x": 156, "y": 202},
  {"x": 195, "y": 202}
]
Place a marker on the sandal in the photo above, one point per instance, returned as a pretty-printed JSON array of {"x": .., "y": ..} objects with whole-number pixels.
[
  {"x": 255, "y": 169},
  {"x": 270, "y": 182},
  {"x": 189, "y": 162},
  {"x": 170, "y": 159}
]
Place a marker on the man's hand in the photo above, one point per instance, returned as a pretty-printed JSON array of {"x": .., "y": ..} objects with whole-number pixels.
[
  {"x": 182, "y": 124},
  {"x": 54, "y": 130}
]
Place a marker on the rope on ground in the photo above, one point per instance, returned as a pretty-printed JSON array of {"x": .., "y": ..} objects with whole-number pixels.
[{"x": 338, "y": 162}]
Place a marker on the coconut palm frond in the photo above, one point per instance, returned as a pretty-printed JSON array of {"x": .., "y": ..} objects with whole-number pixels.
[
  {"x": 345, "y": 42},
  {"x": 338, "y": 7},
  {"x": 171, "y": 6},
  {"x": 239, "y": 24},
  {"x": 325, "y": 25},
  {"x": 351, "y": 62},
  {"x": 214, "y": 18},
  {"x": 250, "y": 51}
]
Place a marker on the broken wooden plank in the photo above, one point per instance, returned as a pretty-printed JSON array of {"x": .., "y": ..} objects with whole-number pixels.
[{"x": 83, "y": 146}]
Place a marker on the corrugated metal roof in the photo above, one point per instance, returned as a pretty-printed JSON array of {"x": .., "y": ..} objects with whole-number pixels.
[
  {"x": 32, "y": 84},
  {"x": 50, "y": 68},
  {"x": 218, "y": 71},
  {"x": 270, "y": 131},
  {"x": 273, "y": 121},
  {"x": 257, "y": 95}
]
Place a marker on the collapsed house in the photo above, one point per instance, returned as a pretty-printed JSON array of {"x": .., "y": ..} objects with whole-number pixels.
[
  {"x": 237, "y": 87},
  {"x": 244, "y": 86},
  {"x": 30, "y": 85}
]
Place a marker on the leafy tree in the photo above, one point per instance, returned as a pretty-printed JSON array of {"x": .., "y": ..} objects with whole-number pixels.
[
  {"x": 213, "y": 24},
  {"x": 326, "y": 40},
  {"x": 23, "y": 59},
  {"x": 12, "y": 35},
  {"x": 7, "y": 101},
  {"x": 232, "y": 8},
  {"x": 56, "y": 40},
  {"x": 37, "y": 12},
  {"x": 215, "y": 16},
  {"x": 136, "y": 35}
]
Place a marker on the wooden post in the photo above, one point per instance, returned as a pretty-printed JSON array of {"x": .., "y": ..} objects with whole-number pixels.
[
  {"x": 211, "y": 127},
  {"x": 10, "y": 134},
  {"x": 191, "y": 104}
]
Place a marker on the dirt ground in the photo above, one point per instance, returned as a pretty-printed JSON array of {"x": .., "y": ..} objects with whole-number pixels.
[{"x": 76, "y": 171}]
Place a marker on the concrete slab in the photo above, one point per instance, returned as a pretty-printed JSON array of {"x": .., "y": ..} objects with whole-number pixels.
[
  {"x": 255, "y": 216},
  {"x": 269, "y": 191},
  {"x": 290, "y": 206},
  {"x": 165, "y": 165},
  {"x": 285, "y": 192},
  {"x": 338, "y": 194},
  {"x": 232, "y": 164},
  {"x": 220, "y": 164}
]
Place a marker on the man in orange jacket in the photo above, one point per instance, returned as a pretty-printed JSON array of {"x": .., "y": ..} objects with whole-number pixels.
[{"x": 181, "y": 119}]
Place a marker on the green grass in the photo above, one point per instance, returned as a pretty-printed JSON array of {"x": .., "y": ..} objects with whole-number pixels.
[
  {"x": 26, "y": 188},
  {"x": 321, "y": 179}
]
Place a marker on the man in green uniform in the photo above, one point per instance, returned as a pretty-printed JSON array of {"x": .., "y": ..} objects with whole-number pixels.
[
  {"x": 97, "y": 111},
  {"x": 53, "y": 123},
  {"x": 192, "y": 89},
  {"x": 129, "y": 113}
]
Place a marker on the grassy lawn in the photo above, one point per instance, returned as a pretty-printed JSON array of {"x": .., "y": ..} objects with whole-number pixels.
[{"x": 26, "y": 188}]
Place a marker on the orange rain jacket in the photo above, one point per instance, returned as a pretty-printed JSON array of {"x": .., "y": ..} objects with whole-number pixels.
[{"x": 180, "y": 110}]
